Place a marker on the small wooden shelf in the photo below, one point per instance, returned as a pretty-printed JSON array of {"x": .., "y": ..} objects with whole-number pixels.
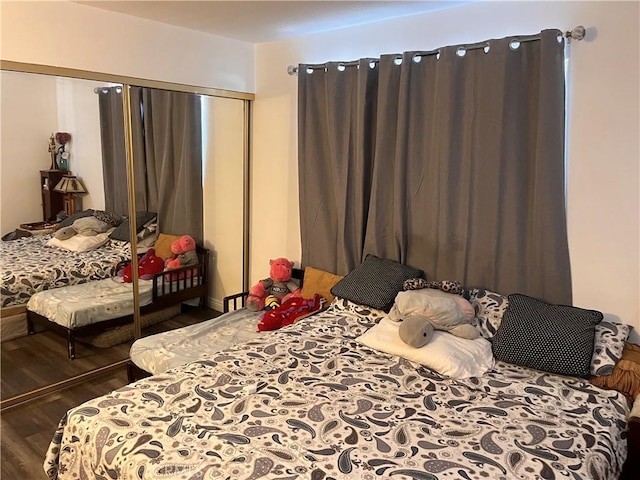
[{"x": 52, "y": 202}]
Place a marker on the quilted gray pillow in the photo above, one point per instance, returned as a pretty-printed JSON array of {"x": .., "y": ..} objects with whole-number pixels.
[
  {"x": 608, "y": 346},
  {"x": 552, "y": 338},
  {"x": 375, "y": 283}
]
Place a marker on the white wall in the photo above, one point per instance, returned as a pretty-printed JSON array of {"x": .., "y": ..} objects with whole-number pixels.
[
  {"x": 33, "y": 107},
  {"x": 24, "y": 145},
  {"x": 603, "y": 174},
  {"x": 71, "y": 35},
  {"x": 223, "y": 173},
  {"x": 79, "y": 115}
]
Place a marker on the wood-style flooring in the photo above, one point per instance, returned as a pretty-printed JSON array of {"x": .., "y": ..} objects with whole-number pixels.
[
  {"x": 26, "y": 429},
  {"x": 34, "y": 361}
]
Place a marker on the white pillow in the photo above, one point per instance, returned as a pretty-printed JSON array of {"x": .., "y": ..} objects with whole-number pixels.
[
  {"x": 80, "y": 243},
  {"x": 445, "y": 353}
]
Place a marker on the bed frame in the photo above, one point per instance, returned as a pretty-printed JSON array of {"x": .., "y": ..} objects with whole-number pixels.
[
  {"x": 232, "y": 302},
  {"x": 166, "y": 292}
]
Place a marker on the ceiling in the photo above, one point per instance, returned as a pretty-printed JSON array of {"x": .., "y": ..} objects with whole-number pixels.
[{"x": 267, "y": 21}]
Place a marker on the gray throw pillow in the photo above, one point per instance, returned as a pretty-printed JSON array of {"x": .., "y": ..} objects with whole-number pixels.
[
  {"x": 121, "y": 232},
  {"x": 375, "y": 283},
  {"x": 552, "y": 338}
]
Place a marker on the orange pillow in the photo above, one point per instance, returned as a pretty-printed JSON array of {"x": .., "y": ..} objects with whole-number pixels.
[
  {"x": 163, "y": 245},
  {"x": 320, "y": 282}
]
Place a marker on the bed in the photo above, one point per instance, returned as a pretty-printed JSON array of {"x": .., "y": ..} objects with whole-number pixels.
[
  {"x": 92, "y": 307},
  {"x": 158, "y": 353},
  {"x": 314, "y": 400},
  {"x": 42, "y": 262},
  {"x": 30, "y": 266}
]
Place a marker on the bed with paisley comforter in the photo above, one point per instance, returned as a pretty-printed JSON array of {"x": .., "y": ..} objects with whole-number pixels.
[
  {"x": 310, "y": 401},
  {"x": 30, "y": 266}
]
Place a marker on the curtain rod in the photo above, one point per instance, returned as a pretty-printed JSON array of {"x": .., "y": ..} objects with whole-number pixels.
[
  {"x": 577, "y": 33},
  {"x": 107, "y": 89}
]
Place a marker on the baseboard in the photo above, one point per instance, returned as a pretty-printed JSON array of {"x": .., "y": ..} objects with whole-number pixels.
[{"x": 216, "y": 304}]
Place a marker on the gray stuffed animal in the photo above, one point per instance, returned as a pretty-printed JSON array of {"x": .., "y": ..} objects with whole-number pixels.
[
  {"x": 423, "y": 311},
  {"x": 87, "y": 226}
]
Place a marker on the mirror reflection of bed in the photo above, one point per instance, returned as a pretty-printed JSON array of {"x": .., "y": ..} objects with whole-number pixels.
[{"x": 39, "y": 105}]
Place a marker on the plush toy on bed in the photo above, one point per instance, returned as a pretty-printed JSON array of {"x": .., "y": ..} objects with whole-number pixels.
[
  {"x": 291, "y": 310},
  {"x": 279, "y": 284},
  {"x": 423, "y": 311},
  {"x": 184, "y": 249},
  {"x": 87, "y": 226},
  {"x": 148, "y": 266}
]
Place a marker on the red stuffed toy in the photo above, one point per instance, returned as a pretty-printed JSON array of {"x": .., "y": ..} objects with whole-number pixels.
[
  {"x": 184, "y": 249},
  {"x": 279, "y": 285},
  {"x": 289, "y": 312},
  {"x": 148, "y": 266}
]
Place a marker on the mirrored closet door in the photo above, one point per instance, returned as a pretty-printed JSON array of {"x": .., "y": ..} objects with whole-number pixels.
[
  {"x": 50, "y": 133},
  {"x": 36, "y": 104}
]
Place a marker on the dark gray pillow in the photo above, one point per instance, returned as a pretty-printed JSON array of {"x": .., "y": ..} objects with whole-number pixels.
[
  {"x": 121, "y": 232},
  {"x": 72, "y": 218},
  {"x": 547, "y": 337},
  {"x": 375, "y": 283}
]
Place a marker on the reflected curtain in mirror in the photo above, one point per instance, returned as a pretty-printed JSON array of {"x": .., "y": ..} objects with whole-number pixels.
[
  {"x": 450, "y": 162},
  {"x": 114, "y": 165},
  {"x": 167, "y": 152}
]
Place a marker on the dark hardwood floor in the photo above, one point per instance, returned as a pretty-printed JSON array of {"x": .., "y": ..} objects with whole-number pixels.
[
  {"x": 31, "y": 362},
  {"x": 26, "y": 429}
]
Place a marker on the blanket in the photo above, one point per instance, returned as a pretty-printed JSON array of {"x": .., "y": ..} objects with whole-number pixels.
[{"x": 291, "y": 310}]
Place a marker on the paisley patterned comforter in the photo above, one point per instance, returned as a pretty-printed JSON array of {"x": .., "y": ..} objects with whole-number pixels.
[
  {"x": 30, "y": 266},
  {"x": 308, "y": 402}
]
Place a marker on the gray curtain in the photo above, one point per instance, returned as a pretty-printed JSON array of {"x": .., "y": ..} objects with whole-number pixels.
[
  {"x": 453, "y": 164},
  {"x": 167, "y": 147},
  {"x": 114, "y": 163}
]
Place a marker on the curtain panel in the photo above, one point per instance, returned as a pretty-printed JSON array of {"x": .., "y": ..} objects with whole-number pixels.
[
  {"x": 114, "y": 165},
  {"x": 447, "y": 162},
  {"x": 167, "y": 152}
]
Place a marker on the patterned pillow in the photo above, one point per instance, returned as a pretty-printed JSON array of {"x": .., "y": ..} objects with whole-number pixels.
[
  {"x": 111, "y": 218},
  {"x": 489, "y": 307},
  {"x": 72, "y": 218},
  {"x": 342, "y": 305},
  {"x": 449, "y": 286},
  {"x": 414, "y": 284},
  {"x": 552, "y": 338},
  {"x": 375, "y": 283},
  {"x": 608, "y": 346}
]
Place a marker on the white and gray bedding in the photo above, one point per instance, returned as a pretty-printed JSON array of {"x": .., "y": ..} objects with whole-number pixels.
[
  {"x": 309, "y": 402},
  {"x": 92, "y": 302},
  {"x": 30, "y": 266},
  {"x": 158, "y": 353}
]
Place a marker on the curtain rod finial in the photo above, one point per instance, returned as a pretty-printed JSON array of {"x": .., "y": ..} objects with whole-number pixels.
[
  {"x": 292, "y": 70},
  {"x": 577, "y": 33}
]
